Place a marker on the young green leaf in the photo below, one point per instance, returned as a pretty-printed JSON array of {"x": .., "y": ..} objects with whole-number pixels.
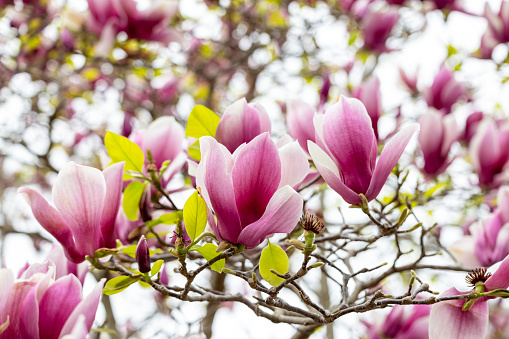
[
  {"x": 118, "y": 284},
  {"x": 273, "y": 258},
  {"x": 194, "y": 151},
  {"x": 122, "y": 149},
  {"x": 157, "y": 267},
  {"x": 208, "y": 251},
  {"x": 171, "y": 218},
  {"x": 195, "y": 215},
  {"x": 202, "y": 121},
  {"x": 131, "y": 201}
]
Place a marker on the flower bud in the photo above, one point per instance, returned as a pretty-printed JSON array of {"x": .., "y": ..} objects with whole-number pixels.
[{"x": 143, "y": 255}]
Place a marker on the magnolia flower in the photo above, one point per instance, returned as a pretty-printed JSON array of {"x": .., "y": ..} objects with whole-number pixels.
[
  {"x": 250, "y": 192},
  {"x": 369, "y": 94},
  {"x": 109, "y": 17},
  {"x": 409, "y": 80},
  {"x": 402, "y": 322},
  {"x": 448, "y": 320},
  {"x": 37, "y": 305},
  {"x": 435, "y": 139},
  {"x": 377, "y": 28},
  {"x": 346, "y": 150},
  {"x": 471, "y": 126},
  {"x": 444, "y": 91},
  {"x": 241, "y": 122},
  {"x": 87, "y": 202},
  {"x": 143, "y": 255},
  {"x": 497, "y": 31},
  {"x": 488, "y": 242},
  {"x": 299, "y": 119},
  {"x": 488, "y": 150}
]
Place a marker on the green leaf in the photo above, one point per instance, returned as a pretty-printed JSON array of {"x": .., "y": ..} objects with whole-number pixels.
[
  {"x": 273, "y": 258},
  {"x": 202, "y": 121},
  {"x": 208, "y": 251},
  {"x": 143, "y": 284},
  {"x": 118, "y": 284},
  {"x": 194, "y": 151},
  {"x": 195, "y": 215},
  {"x": 122, "y": 149},
  {"x": 171, "y": 218},
  {"x": 157, "y": 267},
  {"x": 131, "y": 201}
]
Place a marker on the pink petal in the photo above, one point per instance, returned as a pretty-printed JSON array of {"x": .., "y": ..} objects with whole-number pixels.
[
  {"x": 57, "y": 304},
  {"x": 464, "y": 251},
  {"x": 113, "y": 178},
  {"x": 431, "y": 134},
  {"x": 281, "y": 216},
  {"x": 216, "y": 184},
  {"x": 79, "y": 194},
  {"x": 330, "y": 173},
  {"x": 448, "y": 320},
  {"x": 51, "y": 220},
  {"x": 451, "y": 134},
  {"x": 499, "y": 279},
  {"x": 87, "y": 308},
  {"x": 256, "y": 175},
  {"x": 164, "y": 137},
  {"x": 349, "y": 136},
  {"x": 294, "y": 164},
  {"x": 503, "y": 202},
  {"x": 79, "y": 331},
  {"x": 299, "y": 119},
  {"x": 241, "y": 122},
  {"x": 389, "y": 158},
  {"x": 6, "y": 285}
]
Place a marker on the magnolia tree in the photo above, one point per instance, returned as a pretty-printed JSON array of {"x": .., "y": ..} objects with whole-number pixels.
[{"x": 203, "y": 168}]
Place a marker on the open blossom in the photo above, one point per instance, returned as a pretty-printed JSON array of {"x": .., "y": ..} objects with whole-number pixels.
[
  {"x": 109, "y": 17},
  {"x": 346, "y": 151},
  {"x": 402, "y": 322},
  {"x": 299, "y": 119},
  {"x": 250, "y": 192},
  {"x": 448, "y": 320},
  {"x": 377, "y": 28},
  {"x": 87, "y": 201},
  {"x": 444, "y": 91},
  {"x": 471, "y": 126},
  {"x": 40, "y": 305},
  {"x": 241, "y": 122},
  {"x": 369, "y": 94},
  {"x": 497, "y": 31},
  {"x": 488, "y": 150},
  {"x": 436, "y": 137}
]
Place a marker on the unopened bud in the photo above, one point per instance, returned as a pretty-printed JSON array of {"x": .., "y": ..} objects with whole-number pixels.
[
  {"x": 402, "y": 217},
  {"x": 364, "y": 203},
  {"x": 143, "y": 255},
  {"x": 228, "y": 271},
  {"x": 317, "y": 264},
  {"x": 297, "y": 243},
  {"x": 145, "y": 205}
]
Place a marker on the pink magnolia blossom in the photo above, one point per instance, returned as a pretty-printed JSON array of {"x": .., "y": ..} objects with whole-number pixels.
[
  {"x": 498, "y": 28},
  {"x": 403, "y": 322},
  {"x": 299, "y": 119},
  {"x": 241, "y": 123},
  {"x": 436, "y": 137},
  {"x": 441, "y": 4},
  {"x": 377, "y": 28},
  {"x": 448, "y": 320},
  {"x": 39, "y": 305},
  {"x": 346, "y": 150},
  {"x": 488, "y": 150},
  {"x": 471, "y": 126},
  {"x": 87, "y": 202},
  {"x": 444, "y": 91},
  {"x": 251, "y": 191},
  {"x": 109, "y": 17},
  {"x": 369, "y": 94},
  {"x": 409, "y": 80},
  {"x": 487, "y": 242}
]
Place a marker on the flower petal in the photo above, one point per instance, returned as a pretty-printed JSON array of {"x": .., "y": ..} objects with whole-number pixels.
[
  {"x": 256, "y": 175},
  {"x": 51, "y": 220},
  {"x": 57, "y": 304},
  {"x": 79, "y": 194},
  {"x": 448, "y": 320},
  {"x": 164, "y": 137},
  {"x": 499, "y": 279},
  {"x": 216, "y": 185},
  {"x": 299, "y": 119},
  {"x": 330, "y": 173},
  {"x": 87, "y": 307},
  {"x": 389, "y": 158},
  {"x": 79, "y": 331},
  {"x": 6, "y": 284},
  {"x": 294, "y": 164},
  {"x": 348, "y": 133},
  {"x": 113, "y": 178},
  {"x": 281, "y": 216}
]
